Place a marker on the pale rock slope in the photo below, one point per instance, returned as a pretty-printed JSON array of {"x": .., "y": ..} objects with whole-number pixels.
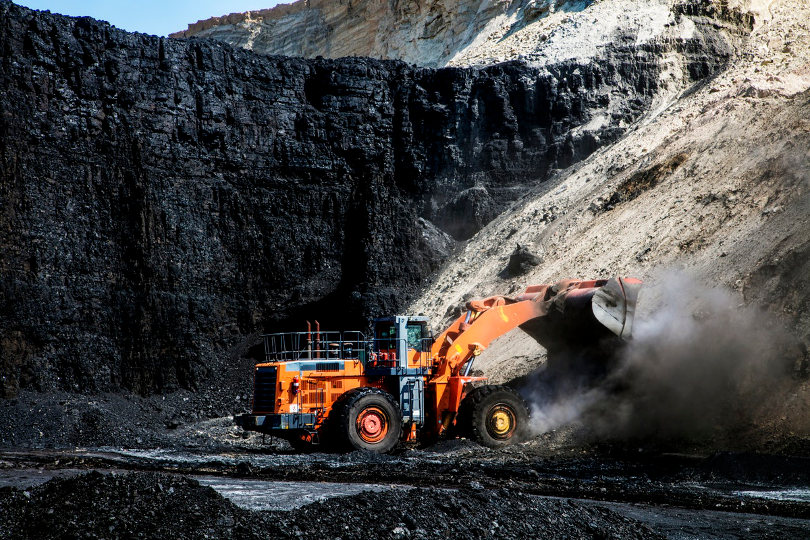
[
  {"x": 445, "y": 32},
  {"x": 715, "y": 184},
  {"x": 424, "y": 32}
]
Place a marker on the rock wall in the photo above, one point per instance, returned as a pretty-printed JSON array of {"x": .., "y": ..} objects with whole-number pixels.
[
  {"x": 436, "y": 33},
  {"x": 163, "y": 201},
  {"x": 424, "y": 32}
]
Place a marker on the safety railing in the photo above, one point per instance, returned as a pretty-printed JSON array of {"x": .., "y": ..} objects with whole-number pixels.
[{"x": 290, "y": 346}]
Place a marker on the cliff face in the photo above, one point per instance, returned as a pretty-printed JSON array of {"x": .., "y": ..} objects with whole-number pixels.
[
  {"x": 424, "y": 32},
  {"x": 437, "y": 33},
  {"x": 162, "y": 200}
]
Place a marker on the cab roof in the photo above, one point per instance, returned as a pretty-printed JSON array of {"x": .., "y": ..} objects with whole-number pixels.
[{"x": 411, "y": 318}]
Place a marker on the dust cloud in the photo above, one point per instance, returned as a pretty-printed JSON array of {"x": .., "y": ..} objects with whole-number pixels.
[{"x": 700, "y": 365}]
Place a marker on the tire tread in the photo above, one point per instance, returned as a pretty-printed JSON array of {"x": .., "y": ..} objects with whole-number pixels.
[
  {"x": 339, "y": 429},
  {"x": 471, "y": 411}
]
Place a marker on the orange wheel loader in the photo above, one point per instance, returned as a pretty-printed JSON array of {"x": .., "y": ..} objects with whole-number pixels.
[{"x": 348, "y": 391}]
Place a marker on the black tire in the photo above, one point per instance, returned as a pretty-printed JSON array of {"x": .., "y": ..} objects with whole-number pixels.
[
  {"x": 463, "y": 418},
  {"x": 367, "y": 419},
  {"x": 494, "y": 416}
]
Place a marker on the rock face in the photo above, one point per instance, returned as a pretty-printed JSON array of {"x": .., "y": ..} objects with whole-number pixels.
[
  {"x": 437, "y": 33},
  {"x": 712, "y": 191},
  {"x": 162, "y": 201},
  {"x": 424, "y": 32}
]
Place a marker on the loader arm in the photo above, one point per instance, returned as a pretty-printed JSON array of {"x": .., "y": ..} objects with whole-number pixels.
[
  {"x": 581, "y": 304},
  {"x": 473, "y": 332}
]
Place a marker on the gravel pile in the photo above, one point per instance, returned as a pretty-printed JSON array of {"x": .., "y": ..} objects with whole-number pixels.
[
  {"x": 140, "y": 505},
  {"x": 149, "y": 505},
  {"x": 183, "y": 419},
  {"x": 465, "y": 513}
]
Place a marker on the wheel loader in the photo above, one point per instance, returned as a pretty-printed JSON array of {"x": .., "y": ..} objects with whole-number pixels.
[{"x": 348, "y": 391}]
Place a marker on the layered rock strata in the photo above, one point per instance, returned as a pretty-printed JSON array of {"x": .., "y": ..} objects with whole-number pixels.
[
  {"x": 437, "y": 33},
  {"x": 424, "y": 32},
  {"x": 163, "y": 201}
]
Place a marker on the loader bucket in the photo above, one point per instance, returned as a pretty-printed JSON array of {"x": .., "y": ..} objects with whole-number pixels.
[
  {"x": 614, "y": 305},
  {"x": 580, "y": 313}
]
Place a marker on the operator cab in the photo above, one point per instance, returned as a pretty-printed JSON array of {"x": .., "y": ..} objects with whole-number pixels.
[{"x": 401, "y": 341}]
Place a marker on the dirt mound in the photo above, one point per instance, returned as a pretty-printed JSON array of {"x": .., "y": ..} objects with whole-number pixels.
[
  {"x": 142, "y": 505},
  {"x": 465, "y": 513},
  {"x": 181, "y": 419},
  {"x": 147, "y": 505}
]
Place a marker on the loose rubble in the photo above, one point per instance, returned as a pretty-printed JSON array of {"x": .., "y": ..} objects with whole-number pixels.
[{"x": 149, "y": 505}]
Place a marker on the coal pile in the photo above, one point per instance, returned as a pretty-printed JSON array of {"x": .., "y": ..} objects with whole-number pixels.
[
  {"x": 143, "y": 505},
  {"x": 463, "y": 513},
  {"x": 178, "y": 420},
  {"x": 149, "y": 505}
]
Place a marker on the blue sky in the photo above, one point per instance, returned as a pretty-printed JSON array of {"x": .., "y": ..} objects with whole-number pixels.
[{"x": 150, "y": 16}]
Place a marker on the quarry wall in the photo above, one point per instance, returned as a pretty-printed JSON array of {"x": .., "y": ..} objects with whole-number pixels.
[{"x": 164, "y": 201}]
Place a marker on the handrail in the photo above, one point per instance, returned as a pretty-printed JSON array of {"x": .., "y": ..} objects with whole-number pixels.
[
  {"x": 292, "y": 346},
  {"x": 346, "y": 345}
]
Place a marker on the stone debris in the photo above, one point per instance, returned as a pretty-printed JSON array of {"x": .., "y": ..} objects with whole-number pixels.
[
  {"x": 521, "y": 261},
  {"x": 150, "y": 505}
]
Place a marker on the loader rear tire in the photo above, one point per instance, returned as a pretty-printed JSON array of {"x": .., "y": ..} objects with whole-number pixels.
[
  {"x": 368, "y": 419},
  {"x": 496, "y": 416}
]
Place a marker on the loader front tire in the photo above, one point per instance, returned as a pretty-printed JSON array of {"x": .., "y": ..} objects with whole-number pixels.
[
  {"x": 368, "y": 419},
  {"x": 497, "y": 416}
]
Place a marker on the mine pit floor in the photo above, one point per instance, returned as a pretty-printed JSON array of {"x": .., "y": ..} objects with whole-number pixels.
[
  {"x": 676, "y": 496},
  {"x": 671, "y": 522}
]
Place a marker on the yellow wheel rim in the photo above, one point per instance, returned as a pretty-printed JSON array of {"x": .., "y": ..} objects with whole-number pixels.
[{"x": 501, "y": 422}]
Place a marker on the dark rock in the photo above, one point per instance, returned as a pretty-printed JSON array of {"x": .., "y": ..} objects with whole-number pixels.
[
  {"x": 521, "y": 261},
  {"x": 163, "y": 202},
  {"x": 639, "y": 182},
  {"x": 468, "y": 212},
  {"x": 433, "y": 239},
  {"x": 148, "y": 505}
]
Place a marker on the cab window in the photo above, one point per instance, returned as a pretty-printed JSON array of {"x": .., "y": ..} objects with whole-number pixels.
[
  {"x": 386, "y": 336},
  {"x": 415, "y": 336}
]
